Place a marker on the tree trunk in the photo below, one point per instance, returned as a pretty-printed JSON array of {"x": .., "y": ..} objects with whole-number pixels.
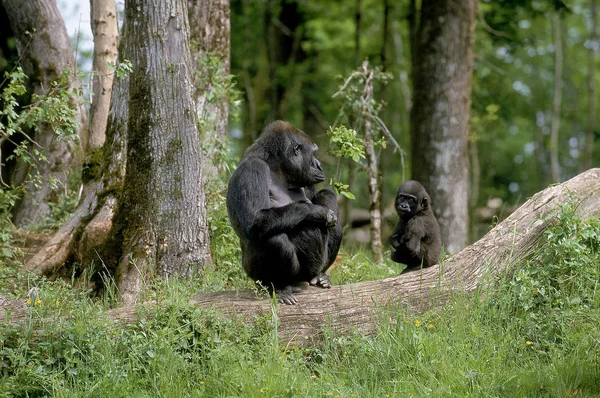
[
  {"x": 412, "y": 18},
  {"x": 45, "y": 52},
  {"x": 160, "y": 223},
  {"x": 88, "y": 228},
  {"x": 284, "y": 32},
  {"x": 357, "y": 306},
  {"x": 106, "y": 40},
  {"x": 400, "y": 64},
  {"x": 440, "y": 113},
  {"x": 374, "y": 194},
  {"x": 357, "y": 32},
  {"x": 209, "y": 35},
  {"x": 373, "y": 171},
  {"x": 591, "y": 83},
  {"x": 556, "y": 103},
  {"x": 475, "y": 168}
]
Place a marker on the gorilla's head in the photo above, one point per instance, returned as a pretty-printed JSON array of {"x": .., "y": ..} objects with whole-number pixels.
[
  {"x": 411, "y": 198},
  {"x": 291, "y": 153}
]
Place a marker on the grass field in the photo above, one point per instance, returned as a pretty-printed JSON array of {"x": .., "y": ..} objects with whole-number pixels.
[{"x": 533, "y": 333}]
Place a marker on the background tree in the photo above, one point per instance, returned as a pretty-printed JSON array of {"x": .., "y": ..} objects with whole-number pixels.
[
  {"x": 591, "y": 125},
  {"x": 106, "y": 40},
  {"x": 210, "y": 44},
  {"x": 557, "y": 99},
  {"x": 440, "y": 113},
  {"x": 45, "y": 52},
  {"x": 160, "y": 222}
]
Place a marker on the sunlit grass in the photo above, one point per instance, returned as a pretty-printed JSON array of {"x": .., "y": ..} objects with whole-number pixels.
[{"x": 534, "y": 333}]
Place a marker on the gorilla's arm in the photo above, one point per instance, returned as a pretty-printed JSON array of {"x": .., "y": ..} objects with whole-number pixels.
[
  {"x": 394, "y": 237},
  {"x": 416, "y": 232},
  {"x": 251, "y": 204}
]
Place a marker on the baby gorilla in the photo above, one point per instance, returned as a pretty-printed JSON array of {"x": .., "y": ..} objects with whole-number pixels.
[{"x": 416, "y": 239}]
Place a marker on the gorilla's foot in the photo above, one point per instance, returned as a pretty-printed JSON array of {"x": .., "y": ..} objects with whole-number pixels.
[
  {"x": 286, "y": 295},
  {"x": 321, "y": 280}
]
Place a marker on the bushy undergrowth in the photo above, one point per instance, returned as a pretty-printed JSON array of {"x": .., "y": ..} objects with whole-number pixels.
[{"x": 534, "y": 333}]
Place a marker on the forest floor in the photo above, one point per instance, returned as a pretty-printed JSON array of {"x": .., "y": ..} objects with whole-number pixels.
[{"x": 534, "y": 333}]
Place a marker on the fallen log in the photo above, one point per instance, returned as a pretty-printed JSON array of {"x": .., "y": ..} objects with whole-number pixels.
[{"x": 356, "y": 306}]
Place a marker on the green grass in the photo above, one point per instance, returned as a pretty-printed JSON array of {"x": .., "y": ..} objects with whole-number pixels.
[{"x": 534, "y": 333}]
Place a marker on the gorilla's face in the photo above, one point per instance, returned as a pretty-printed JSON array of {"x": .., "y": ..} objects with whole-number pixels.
[
  {"x": 301, "y": 166},
  {"x": 411, "y": 198}
]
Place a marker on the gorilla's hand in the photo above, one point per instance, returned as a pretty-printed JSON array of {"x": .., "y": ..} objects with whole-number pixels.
[
  {"x": 331, "y": 218},
  {"x": 322, "y": 215}
]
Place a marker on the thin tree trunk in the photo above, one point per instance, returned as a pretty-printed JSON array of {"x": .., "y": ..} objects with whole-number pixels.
[
  {"x": 284, "y": 34},
  {"x": 374, "y": 194},
  {"x": 160, "y": 224},
  {"x": 440, "y": 114},
  {"x": 402, "y": 66},
  {"x": 373, "y": 170},
  {"x": 347, "y": 203},
  {"x": 45, "y": 51},
  {"x": 383, "y": 153},
  {"x": 475, "y": 168},
  {"x": 209, "y": 33},
  {"x": 557, "y": 102},
  {"x": 106, "y": 41},
  {"x": 413, "y": 30},
  {"x": 591, "y": 84},
  {"x": 357, "y": 32}
]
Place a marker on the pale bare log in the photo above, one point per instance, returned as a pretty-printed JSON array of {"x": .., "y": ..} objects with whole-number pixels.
[{"x": 356, "y": 306}]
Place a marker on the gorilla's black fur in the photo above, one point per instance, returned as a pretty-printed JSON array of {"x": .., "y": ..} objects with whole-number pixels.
[
  {"x": 289, "y": 232},
  {"x": 416, "y": 240}
]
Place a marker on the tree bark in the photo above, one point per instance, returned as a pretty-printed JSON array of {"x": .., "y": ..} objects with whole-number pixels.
[
  {"x": 88, "y": 228},
  {"x": 45, "y": 51},
  {"x": 284, "y": 34},
  {"x": 160, "y": 223},
  {"x": 557, "y": 101},
  {"x": 373, "y": 170},
  {"x": 440, "y": 113},
  {"x": 209, "y": 35},
  {"x": 357, "y": 306},
  {"x": 591, "y": 84},
  {"x": 106, "y": 40}
]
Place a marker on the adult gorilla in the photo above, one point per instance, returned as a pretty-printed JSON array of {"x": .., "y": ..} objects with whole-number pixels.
[{"x": 289, "y": 232}]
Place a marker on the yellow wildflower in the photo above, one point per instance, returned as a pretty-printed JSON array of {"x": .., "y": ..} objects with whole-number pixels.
[
  {"x": 262, "y": 389},
  {"x": 28, "y": 301},
  {"x": 201, "y": 381},
  {"x": 417, "y": 323},
  {"x": 57, "y": 303},
  {"x": 528, "y": 342},
  {"x": 314, "y": 376},
  {"x": 37, "y": 302},
  {"x": 430, "y": 326}
]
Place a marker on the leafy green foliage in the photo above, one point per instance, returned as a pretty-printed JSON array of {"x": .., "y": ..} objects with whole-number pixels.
[
  {"x": 344, "y": 143},
  {"x": 359, "y": 107},
  {"x": 122, "y": 69},
  {"x": 559, "y": 285},
  {"x": 55, "y": 108}
]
